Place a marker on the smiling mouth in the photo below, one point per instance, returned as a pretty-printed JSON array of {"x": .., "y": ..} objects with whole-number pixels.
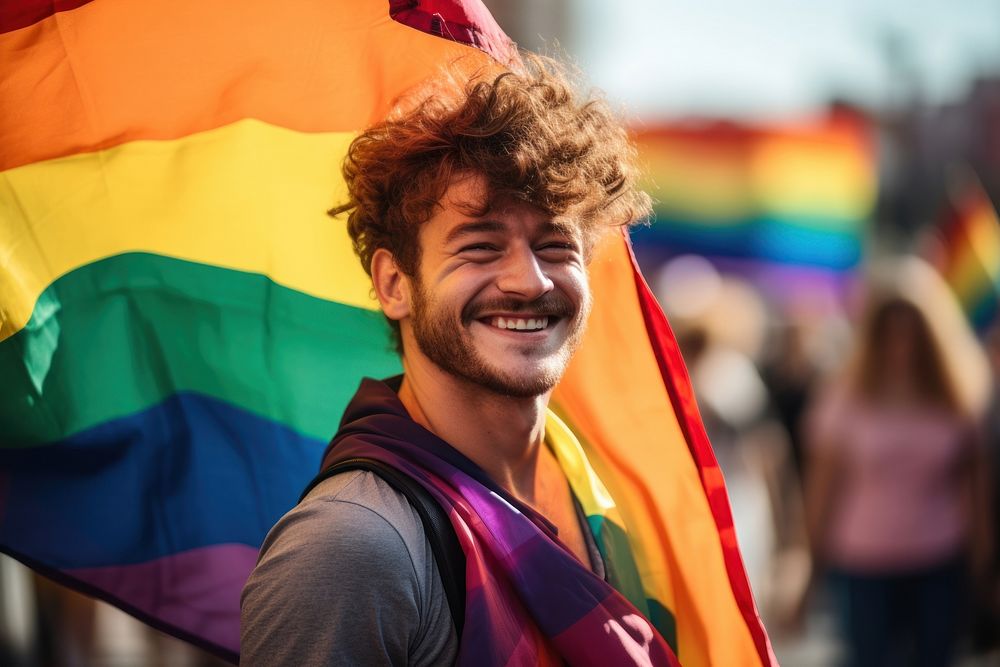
[{"x": 520, "y": 323}]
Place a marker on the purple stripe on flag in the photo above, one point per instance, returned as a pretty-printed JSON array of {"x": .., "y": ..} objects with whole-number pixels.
[
  {"x": 784, "y": 283},
  {"x": 791, "y": 283},
  {"x": 196, "y": 591}
]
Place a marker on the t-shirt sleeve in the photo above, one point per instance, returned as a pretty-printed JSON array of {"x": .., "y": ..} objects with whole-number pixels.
[{"x": 334, "y": 585}]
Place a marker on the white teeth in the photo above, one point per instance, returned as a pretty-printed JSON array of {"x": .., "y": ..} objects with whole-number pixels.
[{"x": 519, "y": 324}]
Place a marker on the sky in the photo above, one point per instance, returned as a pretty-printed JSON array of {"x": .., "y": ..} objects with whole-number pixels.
[{"x": 762, "y": 58}]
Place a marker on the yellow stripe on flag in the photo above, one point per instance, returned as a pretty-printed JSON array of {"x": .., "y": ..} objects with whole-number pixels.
[{"x": 248, "y": 196}]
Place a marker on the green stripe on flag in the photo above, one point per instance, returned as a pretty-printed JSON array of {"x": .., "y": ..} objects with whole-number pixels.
[{"x": 124, "y": 333}]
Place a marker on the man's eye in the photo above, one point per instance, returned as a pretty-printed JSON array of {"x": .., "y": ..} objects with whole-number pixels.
[
  {"x": 557, "y": 249},
  {"x": 479, "y": 248}
]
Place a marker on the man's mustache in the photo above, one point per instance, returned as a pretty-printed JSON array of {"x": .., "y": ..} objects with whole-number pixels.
[{"x": 553, "y": 304}]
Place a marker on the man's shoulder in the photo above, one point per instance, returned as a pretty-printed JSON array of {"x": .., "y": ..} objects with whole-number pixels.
[
  {"x": 350, "y": 512},
  {"x": 347, "y": 577}
]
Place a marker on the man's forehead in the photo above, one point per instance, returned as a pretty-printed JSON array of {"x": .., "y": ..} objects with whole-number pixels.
[
  {"x": 469, "y": 206},
  {"x": 466, "y": 192}
]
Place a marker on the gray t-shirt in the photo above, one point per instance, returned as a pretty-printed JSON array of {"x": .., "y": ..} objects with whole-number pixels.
[{"x": 347, "y": 577}]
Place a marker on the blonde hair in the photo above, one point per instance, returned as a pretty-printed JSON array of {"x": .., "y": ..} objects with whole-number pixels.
[{"x": 953, "y": 368}]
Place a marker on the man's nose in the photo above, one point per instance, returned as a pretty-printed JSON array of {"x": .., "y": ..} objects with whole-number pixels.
[{"x": 524, "y": 275}]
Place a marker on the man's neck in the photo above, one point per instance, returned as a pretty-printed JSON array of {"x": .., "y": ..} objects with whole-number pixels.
[{"x": 501, "y": 434}]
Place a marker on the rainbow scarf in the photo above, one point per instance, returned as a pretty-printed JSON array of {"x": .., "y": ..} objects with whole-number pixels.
[
  {"x": 181, "y": 325},
  {"x": 529, "y": 601}
]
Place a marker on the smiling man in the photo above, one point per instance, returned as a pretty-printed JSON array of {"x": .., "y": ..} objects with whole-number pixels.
[{"x": 475, "y": 214}]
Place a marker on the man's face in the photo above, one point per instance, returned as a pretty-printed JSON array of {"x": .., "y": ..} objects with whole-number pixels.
[{"x": 499, "y": 300}]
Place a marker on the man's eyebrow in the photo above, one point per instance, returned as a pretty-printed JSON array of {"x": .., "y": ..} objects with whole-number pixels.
[
  {"x": 553, "y": 228},
  {"x": 474, "y": 227}
]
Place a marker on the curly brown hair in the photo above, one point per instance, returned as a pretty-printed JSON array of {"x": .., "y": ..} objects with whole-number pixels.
[{"x": 524, "y": 130}]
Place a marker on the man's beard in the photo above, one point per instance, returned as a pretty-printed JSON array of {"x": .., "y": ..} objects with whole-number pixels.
[{"x": 447, "y": 342}]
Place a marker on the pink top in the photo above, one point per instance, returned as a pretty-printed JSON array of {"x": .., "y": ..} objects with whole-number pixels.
[{"x": 899, "y": 503}]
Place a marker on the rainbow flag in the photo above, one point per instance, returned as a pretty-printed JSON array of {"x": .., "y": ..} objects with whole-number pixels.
[
  {"x": 970, "y": 252},
  {"x": 181, "y": 325},
  {"x": 792, "y": 199}
]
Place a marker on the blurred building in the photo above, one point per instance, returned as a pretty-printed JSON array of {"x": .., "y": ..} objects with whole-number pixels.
[{"x": 919, "y": 143}]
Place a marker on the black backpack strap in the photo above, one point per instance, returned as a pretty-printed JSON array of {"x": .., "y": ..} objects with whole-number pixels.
[{"x": 440, "y": 534}]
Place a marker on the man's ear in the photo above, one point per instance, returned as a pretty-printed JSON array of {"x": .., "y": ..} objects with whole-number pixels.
[{"x": 392, "y": 286}]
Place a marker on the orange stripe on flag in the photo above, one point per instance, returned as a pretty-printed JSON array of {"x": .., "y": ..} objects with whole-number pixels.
[
  {"x": 123, "y": 70},
  {"x": 617, "y": 400}
]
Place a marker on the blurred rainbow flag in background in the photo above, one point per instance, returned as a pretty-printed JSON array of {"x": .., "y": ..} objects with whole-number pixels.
[
  {"x": 181, "y": 325},
  {"x": 790, "y": 201},
  {"x": 969, "y": 259}
]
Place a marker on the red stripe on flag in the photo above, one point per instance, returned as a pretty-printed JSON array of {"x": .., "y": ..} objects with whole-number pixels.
[
  {"x": 468, "y": 23},
  {"x": 17, "y": 14}
]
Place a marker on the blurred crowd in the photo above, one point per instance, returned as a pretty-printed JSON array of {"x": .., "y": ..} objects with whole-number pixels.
[{"x": 860, "y": 441}]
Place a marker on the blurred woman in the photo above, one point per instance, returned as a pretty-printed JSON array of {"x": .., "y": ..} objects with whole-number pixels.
[{"x": 895, "y": 488}]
